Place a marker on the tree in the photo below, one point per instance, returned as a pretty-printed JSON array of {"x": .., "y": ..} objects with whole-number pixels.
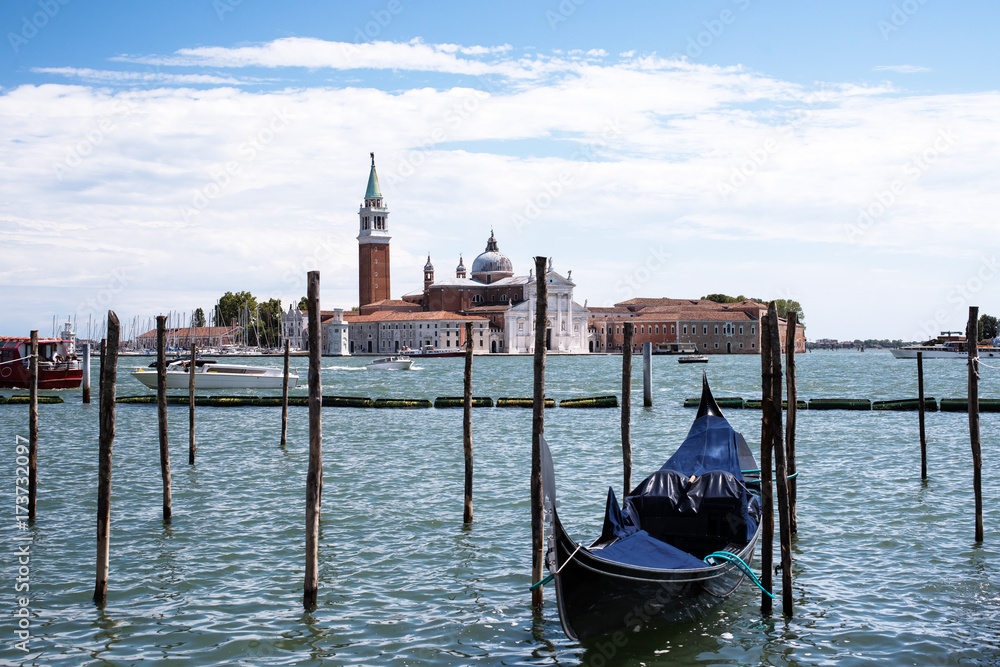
[
  {"x": 786, "y": 306},
  {"x": 304, "y": 303},
  {"x": 988, "y": 327},
  {"x": 270, "y": 322},
  {"x": 239, "y": 309},
  {"x": 724, "y": 298},
  {"x": 199, "y": 318}
]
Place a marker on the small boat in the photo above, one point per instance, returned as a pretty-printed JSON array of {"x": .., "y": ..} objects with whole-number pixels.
[
  {"x": 391, "y": 364},
  {"x": 210, "y": 374},
  {"x": 682, "y": 542},
  {"x": 693, "y": 359},
  {"x": 58, "y": 367},
  {"x": 431, "y": 351}
]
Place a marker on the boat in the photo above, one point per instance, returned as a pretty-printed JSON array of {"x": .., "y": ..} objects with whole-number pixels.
[
  {"x": 693, "y": 359},
  {"x": 431, "y": 351},
  {"x": 682, "y": 542},
  {"x": 391, "y": 364},
  {"x": 58, "y": 366},
  {"x": 949, "y": 345},
  {"x": 210, "y": 374}
]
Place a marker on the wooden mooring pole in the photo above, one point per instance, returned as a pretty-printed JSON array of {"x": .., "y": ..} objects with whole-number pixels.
[
  {"x": 781, "y": 468},
  {"x": 100, "y": 371},
  {"x": 192, "y": 448},
  {"x": 33, "y": 426},
  {"x": 790, "y": 416},
  {"x": 766, "y": 448},
  {"x": 467, "y": 425},
  {"x": 647, "y": 375},
  {"x": 86, "y": 372},
  {"x": 972, "y": 336},
  {"x": 627, "y": 408},
  {"x": 108, "y": 378},
  {"x": 538, "y": 429},
  {"x": 920, "y": 418},
  {"x": 161, "y": 413},
  {"x": 284, "y": 397},
  {"x": 314, "y": 477}
]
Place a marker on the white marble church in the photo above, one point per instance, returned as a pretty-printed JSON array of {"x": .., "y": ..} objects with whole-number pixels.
[{"x": 567, "y": 331}]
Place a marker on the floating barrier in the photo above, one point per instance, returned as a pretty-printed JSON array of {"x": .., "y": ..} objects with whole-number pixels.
[
  {"x": 459, "y": 402},
  {"x": 723, "y": 402},
  {"x": 22, "y": 399},
  {"x": 840, "y": 404},
  {"x": 523, "y": 402},
  {"x": 402, "y": 403},
  {"x": 345, "y": 402},
  {"x": 962, "y": 405},
  {"x": 930, "y": 404},
  {"x": 592, "y": 402}
]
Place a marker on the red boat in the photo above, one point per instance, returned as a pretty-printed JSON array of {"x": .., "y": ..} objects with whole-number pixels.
[{"x": 58, "y": 367}]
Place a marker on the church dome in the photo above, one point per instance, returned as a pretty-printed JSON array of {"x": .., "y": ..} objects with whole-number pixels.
[{"x": 491, "y": 265}]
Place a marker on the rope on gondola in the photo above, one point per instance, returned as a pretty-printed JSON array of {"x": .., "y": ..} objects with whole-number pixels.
[
  {"x": 733, "y": 558},
  {"x": 558, "y": 570},
  {"x": 792, "y": 476}
]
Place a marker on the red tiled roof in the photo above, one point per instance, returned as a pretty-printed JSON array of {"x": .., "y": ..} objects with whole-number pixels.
[{"x": 396, "y": 316}]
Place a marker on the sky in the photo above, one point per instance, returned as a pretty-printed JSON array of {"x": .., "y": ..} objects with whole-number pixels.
[{"x": 844, "y": 155}]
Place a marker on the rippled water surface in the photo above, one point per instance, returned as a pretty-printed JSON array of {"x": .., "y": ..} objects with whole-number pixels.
[{"x": 886, "y": 567}]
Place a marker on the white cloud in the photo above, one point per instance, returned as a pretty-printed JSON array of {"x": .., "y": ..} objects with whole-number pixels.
[
  {"x": 120, "y": 77},
  {"x": 901, "y": 69},
  {"x": 590, "y": 162}
]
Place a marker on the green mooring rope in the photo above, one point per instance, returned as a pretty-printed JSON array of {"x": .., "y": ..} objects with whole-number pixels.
[{"x": 733, "y": 558}]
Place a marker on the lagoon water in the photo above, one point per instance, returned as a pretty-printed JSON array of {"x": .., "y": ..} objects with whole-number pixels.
[{"x": 886, "y": 567}]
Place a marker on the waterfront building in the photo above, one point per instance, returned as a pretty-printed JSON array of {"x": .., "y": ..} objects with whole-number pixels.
[
  {"x": 388, "y": 332},
  {"x": 203, "y": 337},
  {"x": 293, "y": 328},
  {"x": 686, "y": 324},
  {"x": 567, "y": 321},
  {"x": 334, "y": 334}
]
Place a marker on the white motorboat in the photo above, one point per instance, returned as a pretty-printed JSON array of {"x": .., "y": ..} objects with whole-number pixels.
[
  {"x": 210, "y": 374},
  {"x": 391, "y": 364},
  {"x": 949, "y": 345}
]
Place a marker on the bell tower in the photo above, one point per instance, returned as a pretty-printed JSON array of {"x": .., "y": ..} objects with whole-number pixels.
[{"x": 373, "y": 244}]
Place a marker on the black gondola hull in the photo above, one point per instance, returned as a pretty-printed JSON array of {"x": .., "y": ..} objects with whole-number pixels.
[{"x": 598, "y": 597}]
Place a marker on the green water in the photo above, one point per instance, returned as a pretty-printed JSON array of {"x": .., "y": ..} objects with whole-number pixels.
[{"x": 886, "y": 568}]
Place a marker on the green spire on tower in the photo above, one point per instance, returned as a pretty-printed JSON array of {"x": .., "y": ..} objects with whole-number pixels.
[{"x": 374, "y": 191}]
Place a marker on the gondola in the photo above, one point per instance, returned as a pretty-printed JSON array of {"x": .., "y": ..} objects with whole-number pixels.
[{"x": 658, "y": 561}]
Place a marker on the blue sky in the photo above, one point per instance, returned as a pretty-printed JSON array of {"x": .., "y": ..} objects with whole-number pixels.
[{"x": 156, "y": 155}]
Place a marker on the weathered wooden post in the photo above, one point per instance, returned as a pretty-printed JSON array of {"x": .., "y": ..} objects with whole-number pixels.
[
  {"x": 100, "y": 371},
  {"x": 314, "y": 477},
  {"x": 627, "y": 407},
  {"x": 284, "y": 397},
  {"x": 192, "y": 448},
  {"x": 86, "y": 372},
  {"x": 161, "y": 413},
  {"x": 647, "y": 375},
  {"x": 33, "y": 426},
  {"x": 972, "y": 336},
  {"x": 766, "y": 447},
  {"x": 108, "y": 377},
  {"x": 467, "y": 424},
  {"x": 920, "y": 418},
  {"x": 538, "y": 429},
  {"x": 781, "y": 469},
  {"x": 790, "y": 416}
]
